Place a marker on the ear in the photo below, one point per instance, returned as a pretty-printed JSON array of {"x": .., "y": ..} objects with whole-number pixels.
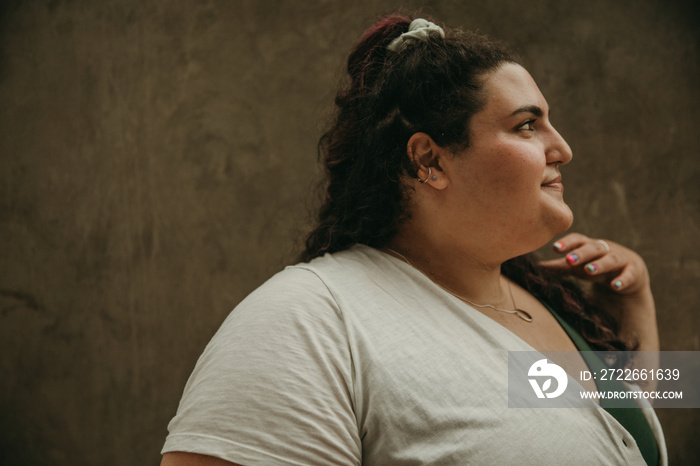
[{"x": 426, "y": 156}]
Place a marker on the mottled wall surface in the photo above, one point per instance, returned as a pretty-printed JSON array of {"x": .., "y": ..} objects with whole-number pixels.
[{"x": 157, "y": 162}]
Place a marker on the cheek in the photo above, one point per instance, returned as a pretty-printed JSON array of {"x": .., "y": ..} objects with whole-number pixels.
[
  {"x": 515, "y": 167},
  {"x": 501, "y": 175}
]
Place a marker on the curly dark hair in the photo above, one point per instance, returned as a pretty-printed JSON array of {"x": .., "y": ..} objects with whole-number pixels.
[{"x": 432, "y": 86}]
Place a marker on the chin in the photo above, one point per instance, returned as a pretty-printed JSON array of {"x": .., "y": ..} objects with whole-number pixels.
[
  {"x": 566, "y": 221},
  {"x": 556, "y": 224},
  {"x": 560, "y": 219}
]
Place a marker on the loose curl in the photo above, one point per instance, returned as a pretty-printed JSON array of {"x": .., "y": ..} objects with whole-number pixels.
[{"x": 432, "y": 86}]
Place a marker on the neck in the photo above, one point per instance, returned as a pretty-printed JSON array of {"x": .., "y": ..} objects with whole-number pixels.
[{"x": 460, "y": 270}]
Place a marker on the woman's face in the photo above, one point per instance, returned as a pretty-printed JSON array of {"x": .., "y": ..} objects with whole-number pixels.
[{"x": 506, "y": 185}]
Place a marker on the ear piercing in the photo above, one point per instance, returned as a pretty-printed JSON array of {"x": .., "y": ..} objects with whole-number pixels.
[{"x": 430, "y": 172}]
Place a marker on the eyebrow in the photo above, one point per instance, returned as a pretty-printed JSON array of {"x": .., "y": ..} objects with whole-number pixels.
[{"x": 534, "y": 109}]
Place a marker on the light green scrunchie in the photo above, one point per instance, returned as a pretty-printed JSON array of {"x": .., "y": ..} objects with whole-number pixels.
[{"x": 419, "y": 29}]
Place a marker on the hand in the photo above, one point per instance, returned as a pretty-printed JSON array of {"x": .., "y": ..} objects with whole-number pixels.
[
  {"x": 623, "y": 284},
  {"x": 601, "y": 261}
]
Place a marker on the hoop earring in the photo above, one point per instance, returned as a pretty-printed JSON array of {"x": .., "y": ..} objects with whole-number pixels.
[{"x": 430, "y": 172}]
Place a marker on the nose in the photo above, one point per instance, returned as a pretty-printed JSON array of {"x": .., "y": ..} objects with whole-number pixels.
[{"x": 558, "y": 150}]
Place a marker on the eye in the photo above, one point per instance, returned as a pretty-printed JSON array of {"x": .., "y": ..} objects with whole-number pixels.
[{"x": 527, "y": 126}]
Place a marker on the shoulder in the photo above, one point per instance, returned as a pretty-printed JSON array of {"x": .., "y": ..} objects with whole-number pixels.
[
  {"x": 311, "y": 279},
  {"x": 318, "y": 281},
  {"x": 290, "y": 286},
  {"x": 291, "y": 303},
  {"x": 302, "y": 293},
  {"x": 357, "y": 267},
  {"x": 296, "y": 293}
]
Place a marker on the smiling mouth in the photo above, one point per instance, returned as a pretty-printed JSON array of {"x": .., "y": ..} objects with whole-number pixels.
[{"x": 555, "y": 184}]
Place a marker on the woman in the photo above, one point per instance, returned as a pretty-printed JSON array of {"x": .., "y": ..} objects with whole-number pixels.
[{"x": 388, "y": 344}]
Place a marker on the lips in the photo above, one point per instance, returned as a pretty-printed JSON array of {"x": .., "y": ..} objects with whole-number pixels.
[{"x": 554, "y": 183}]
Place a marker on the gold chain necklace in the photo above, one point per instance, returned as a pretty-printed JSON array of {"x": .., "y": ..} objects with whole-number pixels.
[{"x": 517, "y": 311}]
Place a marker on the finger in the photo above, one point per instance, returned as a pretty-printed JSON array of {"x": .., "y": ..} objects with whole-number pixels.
[
  {"x": 611, "y": 264},
  {"x": 623, "y": 281},
  {"x": 606, "y": 264},
  {"x": 562, "y": 267},
  {"x": 568, "y": 242},
  {"x": 591, "y": 250}
]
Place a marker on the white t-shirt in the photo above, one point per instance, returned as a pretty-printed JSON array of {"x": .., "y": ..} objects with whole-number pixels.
[{"x": 358, "y": 358}]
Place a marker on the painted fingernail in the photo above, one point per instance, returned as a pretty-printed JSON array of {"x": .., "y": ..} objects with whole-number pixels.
[
  {"x": 617, "y": 284},
  {"x": 572, "y": 258},
  {"x": 558, "y": 245},
  {"x": 591, "y": 268}
]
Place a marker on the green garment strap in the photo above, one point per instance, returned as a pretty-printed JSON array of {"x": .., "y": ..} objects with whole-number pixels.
[{"x": 630, "y": 416}]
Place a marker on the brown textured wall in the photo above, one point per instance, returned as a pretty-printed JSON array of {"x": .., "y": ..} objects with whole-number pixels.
[{"x": 157, "y": 160}]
